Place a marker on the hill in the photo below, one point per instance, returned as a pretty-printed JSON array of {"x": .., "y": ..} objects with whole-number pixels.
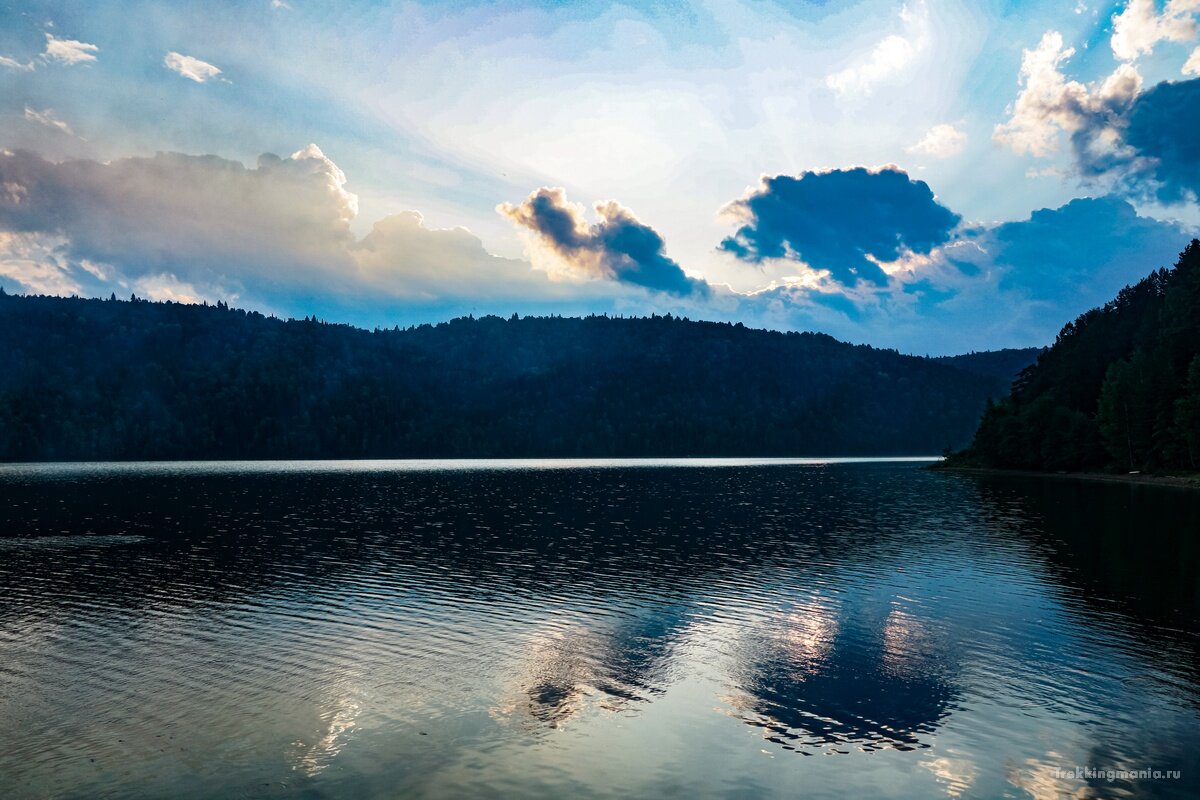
[
  {"x": 113, "y": 379},
  {"x": 1003, "y": 365},
  {"x": 1119, "y": 390}
]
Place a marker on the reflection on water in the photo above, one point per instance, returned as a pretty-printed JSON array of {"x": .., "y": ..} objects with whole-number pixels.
[{"x": 382, "y": 629}]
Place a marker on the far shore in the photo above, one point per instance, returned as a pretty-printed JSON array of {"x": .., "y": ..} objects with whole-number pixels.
[{"x": 1187, "y": 481}]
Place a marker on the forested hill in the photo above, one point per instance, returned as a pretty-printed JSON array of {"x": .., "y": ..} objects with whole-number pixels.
[
  {"x": 1118, "y": 390},
  {"x": 1003, "y": 365},
  {"x": 114, "y": 379}
]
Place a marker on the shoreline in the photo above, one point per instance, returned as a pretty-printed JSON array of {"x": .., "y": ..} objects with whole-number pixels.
[{"x": 1180, "y": 481}]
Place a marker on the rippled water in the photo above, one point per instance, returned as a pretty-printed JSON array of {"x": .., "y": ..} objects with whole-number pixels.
[{"x": 563, "y": 629}]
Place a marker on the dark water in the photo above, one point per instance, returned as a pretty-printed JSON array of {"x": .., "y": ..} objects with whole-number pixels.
[{"x": 557, "y": 630}]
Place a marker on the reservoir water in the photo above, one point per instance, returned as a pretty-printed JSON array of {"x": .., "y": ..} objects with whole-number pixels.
[{"x": 727, "y": 628}]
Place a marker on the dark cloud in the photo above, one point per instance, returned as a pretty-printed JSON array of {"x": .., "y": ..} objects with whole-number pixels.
[
  {"x": 1164, "y": 129},
  {"x": 843, "y": 221},
  {"x": 1078, "y": 255},
  {"x": 618, "y": 247}
]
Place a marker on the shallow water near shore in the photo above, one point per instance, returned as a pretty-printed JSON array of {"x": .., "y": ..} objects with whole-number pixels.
[{"x": 712, "y": 628}]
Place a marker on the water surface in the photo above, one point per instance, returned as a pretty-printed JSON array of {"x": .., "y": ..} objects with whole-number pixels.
[{"x": 723, "y": 628}]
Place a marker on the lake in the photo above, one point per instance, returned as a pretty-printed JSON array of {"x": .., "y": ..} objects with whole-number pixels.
[{"x": 728, "y": 628}]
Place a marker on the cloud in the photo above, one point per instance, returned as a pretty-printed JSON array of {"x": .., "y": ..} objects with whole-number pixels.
[
  {"x": 1161, "y": 132},
  {"x": 1012, "y": 284},
  {"x": 69, "y": 51},
  {"x": 890, "y": 55},
  {"x": 940, "y": 141},
  {"x": 1048, "y": 104},
  {"x": 1078, "y": 255},
  {"x": 202, "y": 218},
  {"x": 205, "y": 227},
  {"x": 410, "y": 260},
  {"x": 48, "y": 119},
  {"x": 280, "y": 4},
  {"x": 845, "y": 221},
  {"x": 191, "y": 68},
  {"x": 1141, "y": 142},
  {"x": 11, "y": 63},
  {"x": 618, "y": 247},
  {"x": 1192, "y": 65},
  {"x": 36, "y": 265},
  {"x": 1139, "y": 26}
]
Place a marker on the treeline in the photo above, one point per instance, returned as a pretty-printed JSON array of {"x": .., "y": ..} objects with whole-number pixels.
[
  {"x": 93, "y": 379},
  {"x": 1118, "y": 390}
]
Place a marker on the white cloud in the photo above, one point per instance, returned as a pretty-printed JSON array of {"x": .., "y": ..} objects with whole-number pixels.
[
  {"x": 1139, "y": 27},
  {"x": 36, "y": 264},
  {"x": 889, "y": 56},
  {"x": 168, "y": 287},
  {"x": 202, "y": 227},
  {"x": 1049, "y": 104},
  {"x": 69, "y": 51},
  {"x": 280, "y": 4},
  {"x": 12, "y": 63},
  {"x": 1192, "y": 65},
  {"x": 48, "y": 119},
  {"x": 191, "y": 68},
  {"x": 940, "y": 141}
]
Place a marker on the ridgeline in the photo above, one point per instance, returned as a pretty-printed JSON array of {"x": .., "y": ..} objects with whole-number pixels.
[
  {"x": 1119, "y": 391},
  {"x": 84, "y": 379}
]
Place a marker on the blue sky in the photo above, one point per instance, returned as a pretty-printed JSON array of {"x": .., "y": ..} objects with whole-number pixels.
[{"x": 933, "y": 176}]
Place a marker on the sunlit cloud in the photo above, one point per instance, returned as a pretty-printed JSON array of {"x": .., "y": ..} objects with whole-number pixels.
[
  {"x": 46, "y": 117},
  {"x": 940, "y": 141},
  {"x": 69, "y": 51},
  {"x": 617, "y": 247},
  {"x": 891, "y": 55},
  {"x": 1192, "y": 65},
  {"x": 191, "y": 68},
  {"x": 13, "y": 64},
  {"x": 1140, "y": 26}
]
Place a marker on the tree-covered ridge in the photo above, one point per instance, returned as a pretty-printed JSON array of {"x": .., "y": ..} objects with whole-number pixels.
[
  {"x": 1118, "y": 390},
  {"x": 92, "y": 379}
]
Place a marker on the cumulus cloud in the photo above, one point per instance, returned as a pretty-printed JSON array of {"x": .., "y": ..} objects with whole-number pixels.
[
  {"x": 69, "y": 51},
  {"x": 1012, "y": 284},
  {"x": 410, "y": 260},
  {"x": 1141, "y": 141},
  {"x": 845, "y": 221},
  {"x": 1079, "y": 254},
  {"x": 1161, "y": 132},
  {"x": 207, "y": 214},
  {"x": 891, "y": 55},
  {"x": 48, "y": 119},
  {"x": 940, "y": 141},
  {"x": 1049, "y": 105},
  {"x": 1140, "y": 26},
  {"x": 180, "y": 226},
  {"x": 191, "y": 68},
  {"x": 618, "y": 247}
]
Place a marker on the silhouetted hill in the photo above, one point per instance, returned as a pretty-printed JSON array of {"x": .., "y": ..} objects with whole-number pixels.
[
  {"x": 1003, "y": 365},
  {"x": 1118, "y": 390},
  {"x": 92, "y": 379}
]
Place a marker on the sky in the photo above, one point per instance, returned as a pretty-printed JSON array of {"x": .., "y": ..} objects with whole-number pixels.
[{"x": 933, "y": 176}]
